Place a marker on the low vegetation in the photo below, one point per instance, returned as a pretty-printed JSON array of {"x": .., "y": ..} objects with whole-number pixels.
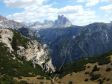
[
  {"x": 19, "y": 40},
  {"x": 79, "y": 65}
]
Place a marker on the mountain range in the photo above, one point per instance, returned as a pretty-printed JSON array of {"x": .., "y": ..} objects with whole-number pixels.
[
  {"x": 67, "y": 41},
  {"x": 6, "y": 23},
  {"x": 54, "y": 45},
  {"x": 60, "y": 22},
  {"x": 77, "y": 42}
]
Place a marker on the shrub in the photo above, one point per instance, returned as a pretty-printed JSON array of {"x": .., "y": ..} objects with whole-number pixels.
[
  {"x": 70, "y": 82},
  {"x": 23, "y": 82},
  {"x": 41, "y": 82},
  {"x": 88, "y": 66},
  {"x": 108, "y": 69},
  {"x": 95, "y": 68},
  {"x": 95, "y": 76},
  {"x": 107, "y": 79},
  {"x": 100, "y": 81},
  {"x": 86, "y": 79},
  {"x": 86, "y": 72}
]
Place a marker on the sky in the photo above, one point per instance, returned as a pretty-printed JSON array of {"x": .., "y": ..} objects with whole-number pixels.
[{"x": 79, "y": 12}]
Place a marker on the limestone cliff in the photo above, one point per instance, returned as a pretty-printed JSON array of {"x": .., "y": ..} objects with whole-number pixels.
[{"x": 29, "y": 49}]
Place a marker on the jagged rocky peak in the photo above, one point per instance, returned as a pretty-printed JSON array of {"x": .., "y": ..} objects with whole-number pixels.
[
  {"x": 62, "y": 21},
  {"x": 6, "y": 23},
  {"x": 32, "y": 50},
  {"x": 2, "y": 18}
]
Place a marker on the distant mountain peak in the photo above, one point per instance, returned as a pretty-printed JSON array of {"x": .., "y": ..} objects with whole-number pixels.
[
  {"x": 62, "y": 21},
  {"x": 6, "y": 23},
  {"x": 62, "y": 17},
  {"x": 2, "y": 18}
]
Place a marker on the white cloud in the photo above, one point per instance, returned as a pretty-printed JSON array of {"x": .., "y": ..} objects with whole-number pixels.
[
  {"x": 38, "y": 11},
  {"x": 22, "y": 3},
  {"x": 34, "y": 13},
  {"x": 110, "y": 0},
  {"x": 71, "y": 9},
  {"x": 88, "y": 3},
  {"x": 80, "y": 1},
  {"x": 106, "y": 8},
  {"x": 77, "y": 14},
  {"x": 91, "y": 3},
  {"x": 83, "y": 17}
]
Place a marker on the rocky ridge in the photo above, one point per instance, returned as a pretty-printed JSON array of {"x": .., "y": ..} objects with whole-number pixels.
[
  {"x": 6, "y": 23},
  {"x": 60, "y": 22}
]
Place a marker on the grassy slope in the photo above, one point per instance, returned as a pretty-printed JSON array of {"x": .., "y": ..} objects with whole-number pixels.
[{"x": 79, "y": 65}]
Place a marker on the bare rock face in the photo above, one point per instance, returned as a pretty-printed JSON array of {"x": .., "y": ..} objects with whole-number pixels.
[
  {"x": 6, "y": 23},
  {"x": 62, "y": 22},
  {"x": 34, "y": 51},
  {"x": 38, "y": 54},
  {"x": 6, "y": 37}
]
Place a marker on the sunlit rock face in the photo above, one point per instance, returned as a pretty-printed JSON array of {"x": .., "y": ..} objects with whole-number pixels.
[
  {"x": 34, "y": 51},
  {"x": 6, "y": 37},
  {"x": 38, "y": 54}
]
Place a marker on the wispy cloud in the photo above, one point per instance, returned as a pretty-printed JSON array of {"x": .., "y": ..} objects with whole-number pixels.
[{"x": 91, "y": 3}]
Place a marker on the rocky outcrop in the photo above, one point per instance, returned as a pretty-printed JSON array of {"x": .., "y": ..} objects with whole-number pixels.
[
  {"x": 6, "y": 37},
  {"x": 32, "y": 50},
  {"x": 38, "y": 54}
]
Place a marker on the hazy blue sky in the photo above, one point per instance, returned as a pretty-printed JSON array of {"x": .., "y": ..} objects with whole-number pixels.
[{"x": 79, "y": 12}]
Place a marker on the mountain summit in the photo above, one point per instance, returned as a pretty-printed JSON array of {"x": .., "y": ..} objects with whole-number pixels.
[{"x": 60, "y": 22}]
